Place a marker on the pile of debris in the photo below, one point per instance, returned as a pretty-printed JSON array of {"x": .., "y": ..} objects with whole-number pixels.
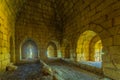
[
  {"x": 11, "y": 67},
  {"x": 48, "y": 73}
]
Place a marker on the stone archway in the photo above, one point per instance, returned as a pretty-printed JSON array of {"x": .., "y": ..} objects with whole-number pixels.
[
  {"x": 29, "y": 51},
  {"x": 88, "y": 48},
  {"x": 51, "y": 50}
]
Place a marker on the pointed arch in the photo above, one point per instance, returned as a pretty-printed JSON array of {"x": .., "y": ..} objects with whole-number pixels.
[
  {"x": 29, "y": 50},
  {"x": 51, "y": 50}
]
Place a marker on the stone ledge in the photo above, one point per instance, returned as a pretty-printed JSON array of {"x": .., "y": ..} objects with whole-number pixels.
[{"x": 86, "y": 67}]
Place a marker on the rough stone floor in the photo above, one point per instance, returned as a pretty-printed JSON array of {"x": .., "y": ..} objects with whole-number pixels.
[
  {"x": 72, "y": 73},
  {"x": 24, "y": 72},
  {"x": 66, "y": 72}
]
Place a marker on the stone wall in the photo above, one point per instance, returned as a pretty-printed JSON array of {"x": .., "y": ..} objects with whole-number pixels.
[
  {"x": 100, "y": 16},
  {"x": 7, "y": 22},
  {"x": 61, "y": 21},
  {"x": 92, "y": 47},
  {"x": 36, "y": 22}
]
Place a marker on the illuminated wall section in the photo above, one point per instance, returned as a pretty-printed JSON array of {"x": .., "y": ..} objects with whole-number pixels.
[
  {"x": 83, "y": 45},
  {"x": 98, "y": 51},
  {"x": 8, "y": 12},
  {"x": 6, "y": 30},
  {"x": 89, "y": 47}
]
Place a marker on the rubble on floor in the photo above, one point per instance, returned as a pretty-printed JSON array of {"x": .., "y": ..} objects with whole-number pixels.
[
  {"x": 53, "y": 71},
  {"x": 11, "y": 67}
]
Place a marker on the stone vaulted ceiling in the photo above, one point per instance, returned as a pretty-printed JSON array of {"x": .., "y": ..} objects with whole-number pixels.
[
  {"x": 53, "y": 13},
  {"x": 39, "y": 12}
]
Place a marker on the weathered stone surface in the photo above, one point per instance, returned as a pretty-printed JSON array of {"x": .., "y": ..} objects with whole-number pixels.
[
  {"x": 24, "y": 71},
  {"x": 11, "y": 67},
  {"x": 46, "y": 70},
  {"x": 69, "y": 71},
  {"x": 55, "y": 20}
]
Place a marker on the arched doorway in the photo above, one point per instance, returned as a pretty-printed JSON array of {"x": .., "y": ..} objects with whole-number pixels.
[
  {"x": 89, "y": 47},
  {"x": 29, "y": 50},
  {"x": 51, "y": 50}
]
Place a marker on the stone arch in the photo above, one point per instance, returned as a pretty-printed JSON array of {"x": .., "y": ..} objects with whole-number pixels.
[
  {"x": 97, "y": 28},
  {"x": 83, "y": 46},
  {"x": 32, "y": 53},
  {"x": 52, "y": 50},
  {"x": 103, "y": 33}
]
